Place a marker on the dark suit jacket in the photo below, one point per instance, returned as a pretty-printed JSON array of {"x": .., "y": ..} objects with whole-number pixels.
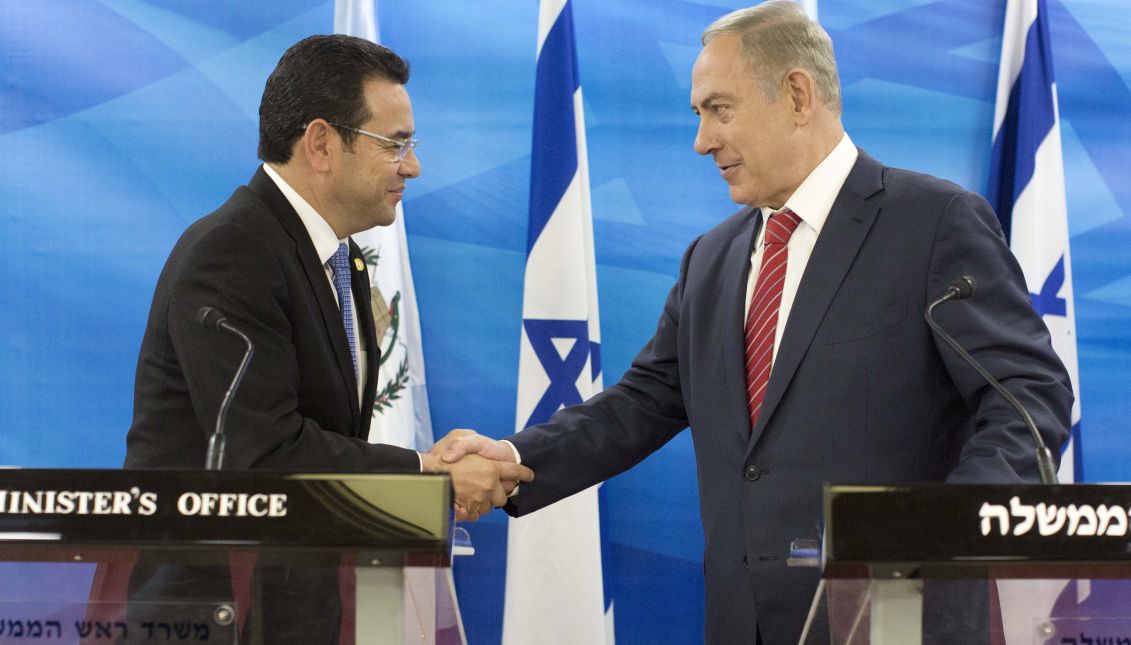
[
  {"x": 861, "y": 391},
  {"x": 297, "y": 409}
]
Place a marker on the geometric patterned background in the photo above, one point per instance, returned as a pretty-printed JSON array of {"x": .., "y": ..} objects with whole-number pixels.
[{"x": 122, "y": 121}]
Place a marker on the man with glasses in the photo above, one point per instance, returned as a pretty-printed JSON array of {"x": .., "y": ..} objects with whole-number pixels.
[
  {"x": 335, "y": 132},
  {"x": 277, "y": 261}
]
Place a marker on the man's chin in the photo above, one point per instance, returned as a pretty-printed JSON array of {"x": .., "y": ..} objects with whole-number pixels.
[
  {"x": 380, "y": 220},
  {"x": 386, "y": 217},
  {"x": 739, "y": 196}
]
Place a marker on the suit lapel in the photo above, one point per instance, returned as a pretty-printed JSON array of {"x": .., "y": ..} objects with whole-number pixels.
[
  {"x": 364, "y": 306},
  {"x": 265, "y": 188},
  {"x": 843, "y": 234}
]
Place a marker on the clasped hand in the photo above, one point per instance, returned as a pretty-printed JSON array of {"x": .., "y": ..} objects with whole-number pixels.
[{"x": 483, "y": 471}]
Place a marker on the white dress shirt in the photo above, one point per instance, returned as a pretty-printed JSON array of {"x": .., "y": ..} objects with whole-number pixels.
[{"x": 811, "y": 202}]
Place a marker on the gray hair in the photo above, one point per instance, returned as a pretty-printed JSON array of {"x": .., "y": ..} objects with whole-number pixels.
[{"x": 778, "y": 36}]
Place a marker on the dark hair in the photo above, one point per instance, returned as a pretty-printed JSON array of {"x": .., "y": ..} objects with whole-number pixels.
[{"x": 321, "y": 77}]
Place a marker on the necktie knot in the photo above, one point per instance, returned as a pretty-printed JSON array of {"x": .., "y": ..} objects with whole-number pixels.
[
  {"x": 340, "y": 261},
  {"x": 781, "y": 226}
]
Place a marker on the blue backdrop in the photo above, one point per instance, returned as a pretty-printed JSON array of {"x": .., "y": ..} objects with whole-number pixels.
[{"x": 122, "y": 121}]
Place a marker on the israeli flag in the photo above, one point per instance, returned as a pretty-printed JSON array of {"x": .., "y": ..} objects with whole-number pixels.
[
  {"x": 1027, "y": 187},
  {"x": 1027, "y": 191},
  {"x": 554, "y": 591}
]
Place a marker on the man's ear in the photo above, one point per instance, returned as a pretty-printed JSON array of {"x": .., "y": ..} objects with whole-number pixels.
[
  {"x": 801, "y": 92},
  {"x": 317, "y": 144}
]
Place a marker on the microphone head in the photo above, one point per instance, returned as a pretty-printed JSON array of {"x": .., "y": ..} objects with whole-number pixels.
[
  {"x": 209, "y": 317},
  {"x": 963, "y": 287}
]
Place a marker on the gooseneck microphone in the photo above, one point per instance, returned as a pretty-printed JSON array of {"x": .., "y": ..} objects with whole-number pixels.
[
  {"x": 217, "y": 443},
  {"x": 960, "y": 289}
]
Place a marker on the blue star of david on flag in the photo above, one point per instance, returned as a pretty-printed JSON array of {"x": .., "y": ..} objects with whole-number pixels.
[{"x": 563, "y": 372}]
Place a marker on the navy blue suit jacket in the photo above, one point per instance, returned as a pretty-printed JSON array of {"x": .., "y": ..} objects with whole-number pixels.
[{"x": 860, "y": 392}]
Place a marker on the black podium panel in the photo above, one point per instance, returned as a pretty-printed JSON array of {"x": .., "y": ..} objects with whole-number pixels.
[
  {"x": 1010, "y": 531},
  {"x": 116, "y": 556}
]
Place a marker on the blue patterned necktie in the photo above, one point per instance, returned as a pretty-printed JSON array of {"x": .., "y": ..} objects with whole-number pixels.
[{"x": 340, "y": 265}]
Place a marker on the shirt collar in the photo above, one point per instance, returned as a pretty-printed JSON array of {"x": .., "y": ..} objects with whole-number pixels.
[
  {"x": 814, "y": 198},
  {"x": 321, "y": 233}
]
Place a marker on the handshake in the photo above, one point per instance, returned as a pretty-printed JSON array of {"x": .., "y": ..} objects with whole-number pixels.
[{"x": 483, "y": 471}]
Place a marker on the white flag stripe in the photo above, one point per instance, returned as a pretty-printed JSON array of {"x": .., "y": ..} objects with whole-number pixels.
[
  {"x": 407, "y": 421},
  {"x": 421, "y": 421},
  {"x": 550, "y": 595},
  {"x": 1040, "y": 241},
  {"x": 553, "y": 264},
  {"x": 1040, "y": 204}
]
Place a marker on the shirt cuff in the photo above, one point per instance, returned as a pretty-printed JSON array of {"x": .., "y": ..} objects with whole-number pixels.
[
  {"x": 517, "y": 460},
  {"x": 517, "y": 457}
]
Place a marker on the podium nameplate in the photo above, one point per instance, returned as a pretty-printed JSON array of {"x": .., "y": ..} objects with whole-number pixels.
[
  {"x": 48, "y": 514},
  {"x": 1003, "y": 531}
]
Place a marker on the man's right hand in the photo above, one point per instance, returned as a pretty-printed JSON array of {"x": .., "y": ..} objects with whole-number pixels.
[
  {"x": 477, "y": 481},
  {"x": 460, "y": 442}
]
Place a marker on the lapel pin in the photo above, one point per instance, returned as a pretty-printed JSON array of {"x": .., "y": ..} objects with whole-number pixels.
[{"x": 359, "y": 264}]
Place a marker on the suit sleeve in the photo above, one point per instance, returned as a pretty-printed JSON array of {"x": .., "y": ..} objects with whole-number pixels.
[
  {"x": 1000, "y": 328},
  {"x": 588, "y": 443},
  {"x": 234, "y": 271}
]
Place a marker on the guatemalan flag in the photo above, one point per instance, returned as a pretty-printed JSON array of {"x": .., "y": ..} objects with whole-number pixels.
[
  {"x": 1027, "y": 191},
  {"x": 554, "y": 591},
  {"x": 1027, "y": 187}
]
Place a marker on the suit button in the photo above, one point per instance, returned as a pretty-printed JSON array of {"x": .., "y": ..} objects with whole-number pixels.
[
  {"x": 752, "y": 472},
  {"x": 746, "y": 561}
]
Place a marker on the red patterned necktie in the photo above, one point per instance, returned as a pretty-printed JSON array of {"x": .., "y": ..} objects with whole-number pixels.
[{"x": 762, "y": 318}]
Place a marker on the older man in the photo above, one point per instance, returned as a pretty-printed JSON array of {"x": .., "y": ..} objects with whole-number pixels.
[{"x": 793, "y": 343}]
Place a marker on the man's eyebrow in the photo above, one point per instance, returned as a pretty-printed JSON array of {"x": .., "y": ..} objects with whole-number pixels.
[{"x": 707, "y": 101}]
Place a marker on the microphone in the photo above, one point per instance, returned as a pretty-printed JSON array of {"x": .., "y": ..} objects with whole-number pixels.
[
  {"x": 961, "y": 288},
  {"x": 217, "y": 443}
]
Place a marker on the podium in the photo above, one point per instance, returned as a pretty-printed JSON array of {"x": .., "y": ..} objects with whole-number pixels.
[
  {"x": 1016, "y": 565},
  {"x": 119, "y": 556}
]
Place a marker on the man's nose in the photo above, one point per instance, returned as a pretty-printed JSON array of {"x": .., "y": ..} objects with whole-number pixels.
[
  {"x": 705, "y": 140},
  {"x": 410, "y": 165}
]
